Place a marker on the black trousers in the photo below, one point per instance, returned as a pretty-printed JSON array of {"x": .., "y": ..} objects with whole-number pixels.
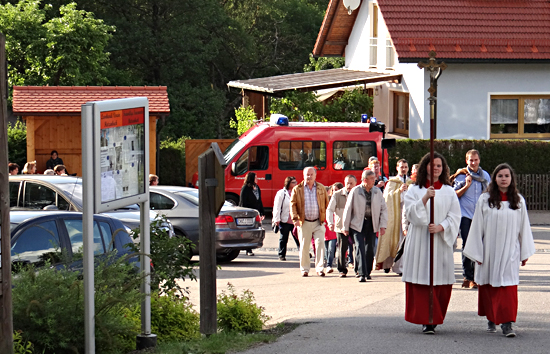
[
  {"x": 285, "y": 229},
  {"x": 468, "y": 266},
  {"x": 364, "y": 248},
  {"x": 342, "y": 249}
]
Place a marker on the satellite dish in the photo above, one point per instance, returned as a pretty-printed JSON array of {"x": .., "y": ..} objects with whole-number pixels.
[{"x": 351, "y": 5}]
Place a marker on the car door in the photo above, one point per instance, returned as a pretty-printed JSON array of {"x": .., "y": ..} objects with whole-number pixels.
[
  {"x": 256, "y": 159},
  {"x": 39, "y": 196}
]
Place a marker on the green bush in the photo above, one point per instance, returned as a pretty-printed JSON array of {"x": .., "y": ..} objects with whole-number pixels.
[
  {"x": 17, "y": 143},
  {"x": 171, "y": 168},
  {"x": 170, "y": 257},
  {"x": 20, "y": 346},
  {"x": 525, "y": 156},
  {"x": 172, "y": 317},
  {"x": 240, "y": 314},
  {"x": 48, "y": 307}
]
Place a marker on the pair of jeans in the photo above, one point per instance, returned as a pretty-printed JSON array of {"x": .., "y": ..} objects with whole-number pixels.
[
  {"x": 364, "y": 248},
  {"x": 330, "y": 250},
  {"x": 350, "y": 249},
  {"x": 468, "y": 266},
  {"x": 342, "y": 249},
  {"x": 285, "y": 229}
]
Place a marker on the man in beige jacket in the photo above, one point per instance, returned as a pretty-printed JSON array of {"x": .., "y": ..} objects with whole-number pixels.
[
  {"x": 308, "y": 206},
  {"x": 335, "y": 211},
  {"x": 365, "y": 214}
]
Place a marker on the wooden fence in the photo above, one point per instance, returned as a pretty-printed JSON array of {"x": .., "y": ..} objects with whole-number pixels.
[
  {"x": 193, "y": 149},
  {"x": 535, "y": 190}
]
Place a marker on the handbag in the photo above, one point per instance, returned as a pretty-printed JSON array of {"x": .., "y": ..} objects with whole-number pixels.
[{"x": 274, "y": 225}]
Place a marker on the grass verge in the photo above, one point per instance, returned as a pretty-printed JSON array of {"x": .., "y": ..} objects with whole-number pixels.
[{"x": 221, "y": 343}]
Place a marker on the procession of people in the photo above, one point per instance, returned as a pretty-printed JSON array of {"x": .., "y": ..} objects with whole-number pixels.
[{"x": 386, "y": 222}]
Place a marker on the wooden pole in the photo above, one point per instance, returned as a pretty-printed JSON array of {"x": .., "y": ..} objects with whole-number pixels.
[
  {"x": 207, "y": 250},
  {"x": 435, "y": 69},
  {"x": 6, "y": 315}
]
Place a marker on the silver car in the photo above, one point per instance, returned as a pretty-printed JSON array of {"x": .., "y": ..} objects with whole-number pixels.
[
  {"x": 64, "y": 193},
  {"x": 236, "y": 228}
]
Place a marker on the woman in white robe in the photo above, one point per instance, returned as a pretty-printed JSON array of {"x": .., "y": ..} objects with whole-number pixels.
[
  {"x": 500, "y": 239},
  {"x": 416, "y": 255}
]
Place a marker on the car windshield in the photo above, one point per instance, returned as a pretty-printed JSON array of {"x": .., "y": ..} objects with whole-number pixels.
[
  {"x": 73, "y": 191},
  {"x": 192, "y": 195},
  {"x": 232, "y": 150}
]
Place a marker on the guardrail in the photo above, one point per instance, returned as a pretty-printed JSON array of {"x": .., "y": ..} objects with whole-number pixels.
[{"x": 536, "y": 190}]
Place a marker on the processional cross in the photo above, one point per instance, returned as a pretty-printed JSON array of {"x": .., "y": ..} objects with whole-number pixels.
[{"x": 435, "y": 69}]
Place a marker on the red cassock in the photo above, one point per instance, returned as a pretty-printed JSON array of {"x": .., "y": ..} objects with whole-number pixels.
[
  {"x": 417, "y": 307},
  {"x": 498, "y": 304}
]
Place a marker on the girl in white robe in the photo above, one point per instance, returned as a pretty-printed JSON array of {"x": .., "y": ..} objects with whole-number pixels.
[
  {"x": 500, "y": 240},
  {"x": 416, "y": 254}
]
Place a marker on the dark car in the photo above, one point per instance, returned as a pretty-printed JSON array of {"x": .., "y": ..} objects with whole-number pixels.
[
  {"x": 39, "y": 192},
  {"x": 236, "y": 228},
  {"x": 37, "y": 236}
]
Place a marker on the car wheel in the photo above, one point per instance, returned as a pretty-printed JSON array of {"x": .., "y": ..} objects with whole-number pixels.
[
  {"x": 233, "y": 199},
  {"x": 227, "y": 255}
]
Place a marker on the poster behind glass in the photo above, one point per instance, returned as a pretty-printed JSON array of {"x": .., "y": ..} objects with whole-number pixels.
[{"x": 122, "y": 153}]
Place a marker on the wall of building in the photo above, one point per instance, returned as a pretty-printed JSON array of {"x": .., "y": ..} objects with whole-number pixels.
[{"x": 464, "y": 94}]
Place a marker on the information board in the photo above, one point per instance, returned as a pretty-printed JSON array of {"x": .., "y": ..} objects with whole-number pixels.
[{"x": 122, "y": 140}]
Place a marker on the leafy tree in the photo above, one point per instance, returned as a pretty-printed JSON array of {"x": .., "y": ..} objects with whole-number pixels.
[
  {"x": 68, "y": 49},
  {"x": 346, "y": 107},
  {"x": 17, "y": 143}
]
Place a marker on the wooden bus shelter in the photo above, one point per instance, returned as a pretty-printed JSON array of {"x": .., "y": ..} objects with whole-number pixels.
[{"x": 52, "y": 116}]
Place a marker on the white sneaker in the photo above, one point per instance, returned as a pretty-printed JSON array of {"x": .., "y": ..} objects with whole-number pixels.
[{"x": 329, "y": 270}]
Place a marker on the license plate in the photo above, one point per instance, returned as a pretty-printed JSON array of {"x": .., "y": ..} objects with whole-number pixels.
[{"x": 245, "y": 221}]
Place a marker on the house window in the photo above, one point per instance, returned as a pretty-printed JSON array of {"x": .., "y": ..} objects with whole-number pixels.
[
  {"x": 297, "y": 155},
  {"x": 514, "y": 116},
  {"x": 389, "y": 54},
  {"x": 373, "y": 53},
  {"x": 352, "y": 155},
  {"x": 401, "y": 112}
]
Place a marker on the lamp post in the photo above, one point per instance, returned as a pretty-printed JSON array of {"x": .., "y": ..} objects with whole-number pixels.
[{"x": 435, "y": 69}]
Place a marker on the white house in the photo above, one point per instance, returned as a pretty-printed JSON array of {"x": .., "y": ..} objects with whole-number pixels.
[{"x": 496, "y": 85}]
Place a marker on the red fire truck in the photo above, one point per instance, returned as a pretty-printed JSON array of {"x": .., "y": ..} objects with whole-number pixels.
[{"x": 277, "y": 149}]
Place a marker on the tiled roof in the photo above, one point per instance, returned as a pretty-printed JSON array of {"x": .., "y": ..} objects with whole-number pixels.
[
  {"x": 469, "y": 29},
  {"x": 313, "y": 80},
  {"x": 68, "y": 99}
]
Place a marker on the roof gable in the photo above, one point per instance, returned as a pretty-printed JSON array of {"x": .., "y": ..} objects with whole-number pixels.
[
  {"x": 469, "y": 29},
  {"x": 28, "y": 100},
  {"x": 335, "y": 30}
]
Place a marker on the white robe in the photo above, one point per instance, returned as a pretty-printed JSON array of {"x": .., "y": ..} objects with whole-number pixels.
[
  {"x": 416, "y": 255},
  {"x": 500, "y": 239}
]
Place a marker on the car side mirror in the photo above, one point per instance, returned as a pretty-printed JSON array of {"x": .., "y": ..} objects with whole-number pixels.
[
  {"x": 233, "y": 168},
  {"x": 388, "y": 143},
  {"x": 50, "y": 207}
]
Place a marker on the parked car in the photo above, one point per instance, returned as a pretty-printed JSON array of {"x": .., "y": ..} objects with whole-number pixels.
[
  {"x": 236, "y": 228},
  {"x": 39, "y": 192},
  {"x": 38, "y": 236}
]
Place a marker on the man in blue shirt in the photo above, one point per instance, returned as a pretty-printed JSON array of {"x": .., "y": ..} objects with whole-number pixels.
[{"x": 469, "y": 183}]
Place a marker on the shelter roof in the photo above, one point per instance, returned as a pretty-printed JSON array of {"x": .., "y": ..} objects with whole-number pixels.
[
  {"x": 313, "y": 80},
  {"x": 40, "y": 100}
]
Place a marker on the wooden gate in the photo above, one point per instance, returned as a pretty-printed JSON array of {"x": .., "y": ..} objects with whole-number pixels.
[
  {"x": 193, "y": 149},
  {"x": 535, "y": 190}
]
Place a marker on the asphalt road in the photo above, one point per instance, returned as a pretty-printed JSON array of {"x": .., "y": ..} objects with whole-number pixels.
[{"x": 343, "y": 315}]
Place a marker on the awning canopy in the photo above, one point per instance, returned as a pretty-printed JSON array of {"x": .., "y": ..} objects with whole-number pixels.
[{"x": 313, "y": 80}]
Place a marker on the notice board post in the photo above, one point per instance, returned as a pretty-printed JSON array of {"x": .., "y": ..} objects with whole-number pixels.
[
  {"x": 115, "y": 154},
  {"x": 6, "y": 315},
  {"x": 211, "y": 199}
]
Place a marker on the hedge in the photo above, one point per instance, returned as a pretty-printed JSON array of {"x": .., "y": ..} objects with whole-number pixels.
[
  {"x": 525, "y": 156},
  {"x": 171, "y": 169}
]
